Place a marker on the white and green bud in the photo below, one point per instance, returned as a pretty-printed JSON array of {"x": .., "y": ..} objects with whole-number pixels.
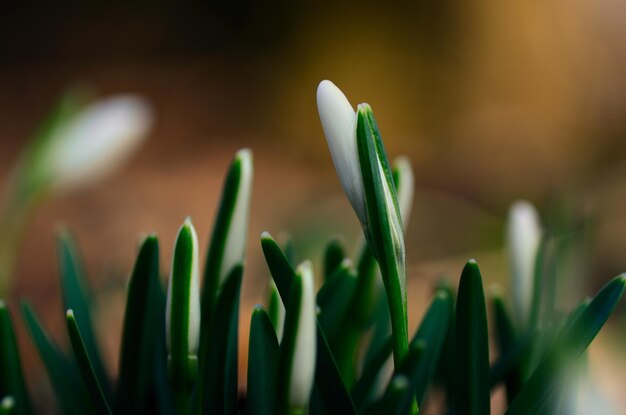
[
  {"x": 405, "y": 184},
  {"x": 304, "y": 354},
  {"x": 182, "y": 326},
  {"x": 235, "y": 244},
  {"x": 524, "y": 236},
  {"x": 339, "y": 123}
]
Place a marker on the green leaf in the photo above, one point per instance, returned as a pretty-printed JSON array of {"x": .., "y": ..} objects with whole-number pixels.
[
  {"x": 507, "y": 342},
  {"x": 84, "y": 365},
  {"x": 220, "y": 378},
  {"x": 76, "y": 296},
  {"x": 64, "y": 377},
  {"x": 328, "y": 379},
  {"x": 432, "y": 333},
  {"x": 331, "y": 300},
  {"x": 396, "y": 398},
  {"x": 183, "y": 310},
  {"x": 139, "y": 333},
  {"x": 472, "y": 344},
  {"x": 280, "y": 268},
  {"x": 263, "y": 359},
  {"x": 364, "y": 389},
  {"x": 11, "y": 376},
  {"x": 384, "y": 228},
  {"x": 227, "y": 247},
  {"x": 333, "y": 256},
  {"x": 570, "y": 344},
  {"x": 327, "y": 376},
  {"x": 276, "y": 309}
]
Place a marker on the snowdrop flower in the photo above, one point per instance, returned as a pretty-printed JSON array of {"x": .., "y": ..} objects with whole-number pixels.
[
  {"x": 235, "y": 245},
  {"x": 183, "y": 292},
  {"x": 303, "y": 362},
  {"x": 339, "y": 123},
  {"x": 95, "y": 141},
  {"x": 524, "y": 236}
]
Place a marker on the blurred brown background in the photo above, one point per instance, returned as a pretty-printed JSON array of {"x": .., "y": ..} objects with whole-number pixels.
[{"x": 491, "y": 101}]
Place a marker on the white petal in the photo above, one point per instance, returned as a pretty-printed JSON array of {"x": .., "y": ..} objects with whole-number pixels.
[
  {"x": 524, "y": 235},
  {"x": 303, "y": 365},
  {"x": 194, "y": 297},
  {"x": 339, "y": 123},
  {"x": 405, "y": 188},
  {"x": 97, "y": 140},
  {"x": 235, "y": 246}
]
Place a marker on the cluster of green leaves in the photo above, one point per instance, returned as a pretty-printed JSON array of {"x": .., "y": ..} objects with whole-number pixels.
[{"x": 354, "y": 340}]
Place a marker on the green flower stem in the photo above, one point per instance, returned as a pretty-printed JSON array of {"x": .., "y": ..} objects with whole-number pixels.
[{"x": 383, "y": 229}]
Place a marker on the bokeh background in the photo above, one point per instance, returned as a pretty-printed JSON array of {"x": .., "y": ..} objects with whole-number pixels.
[{"x": 491, "y": 101}]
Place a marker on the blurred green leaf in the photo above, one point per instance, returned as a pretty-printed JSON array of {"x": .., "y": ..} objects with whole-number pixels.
[
  {"x": 432, "y": 333},
  {"x": 333, "y": 256},
  {"x": 86, "y": 368},
  {"x": 364, "y": 389},
  {"x": 139, "y": 332},
  {"x": 472, "y": 344},
  {"x": 262, "y": 364},
  {"x": 64, "y": 377},
  {"x": 11, "y": 376},
  {"x": 395, "y": 400},
  {"x": 76, "y": 296},
  {"x": 507, "y": 342},
  {"x": 571, "y": 342},
  {"x": 220, "y": 376}
]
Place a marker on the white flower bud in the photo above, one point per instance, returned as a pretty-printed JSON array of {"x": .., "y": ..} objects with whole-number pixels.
[
  {"x": 96, "y": 141},
  {"x": 339, "y": 123},
  {"x": 524, "y": 236},
  {"x": 405, "y": 188},
  {"x": 303, "y": 365}
]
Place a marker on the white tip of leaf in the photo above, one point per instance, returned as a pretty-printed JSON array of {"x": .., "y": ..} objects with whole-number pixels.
[
  {"x": 338, "y": 120},
  {"x": 194, "y": 292},
  {"x": 235, "y": 245},
  {"x": 303, "y": 365},
  {"x": 524, "y": 236},
  {"x": 69, "y": 313},
  {"x": 404, "y": 188},
  {"x": 97, "y": 140}
]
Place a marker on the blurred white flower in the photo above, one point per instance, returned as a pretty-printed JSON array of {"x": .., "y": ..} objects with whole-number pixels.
[
  {"x": 95, "y": 141},
  {"x": 303, "y": 364},
  {"x": 524, "y": 236},
  {"x": 339, "y": 123},
  {"x": 186, "y": 234}
]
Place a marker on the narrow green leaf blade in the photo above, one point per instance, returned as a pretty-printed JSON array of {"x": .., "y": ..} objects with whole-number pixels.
[
  {"x": 573, "y": 340},
  {"x": 432, "y": 333},
  {"x": 327, "y": 376},
  {"x": 263, "y": 359},
  {"x": 280, "y": 268},
  {"x": 139, "y": 334},
  {"x": 77, "y": 297},
  {"x": 507, "y": 341},
  {"x": 65, "y": 380},
  {"x": 472, "y": 344},
  {"x": 333, "y": 256},
  {"x": 220, "y": 377},
  {"x": 11, "y": 376},
  {"x": 86, "y": 368}
]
